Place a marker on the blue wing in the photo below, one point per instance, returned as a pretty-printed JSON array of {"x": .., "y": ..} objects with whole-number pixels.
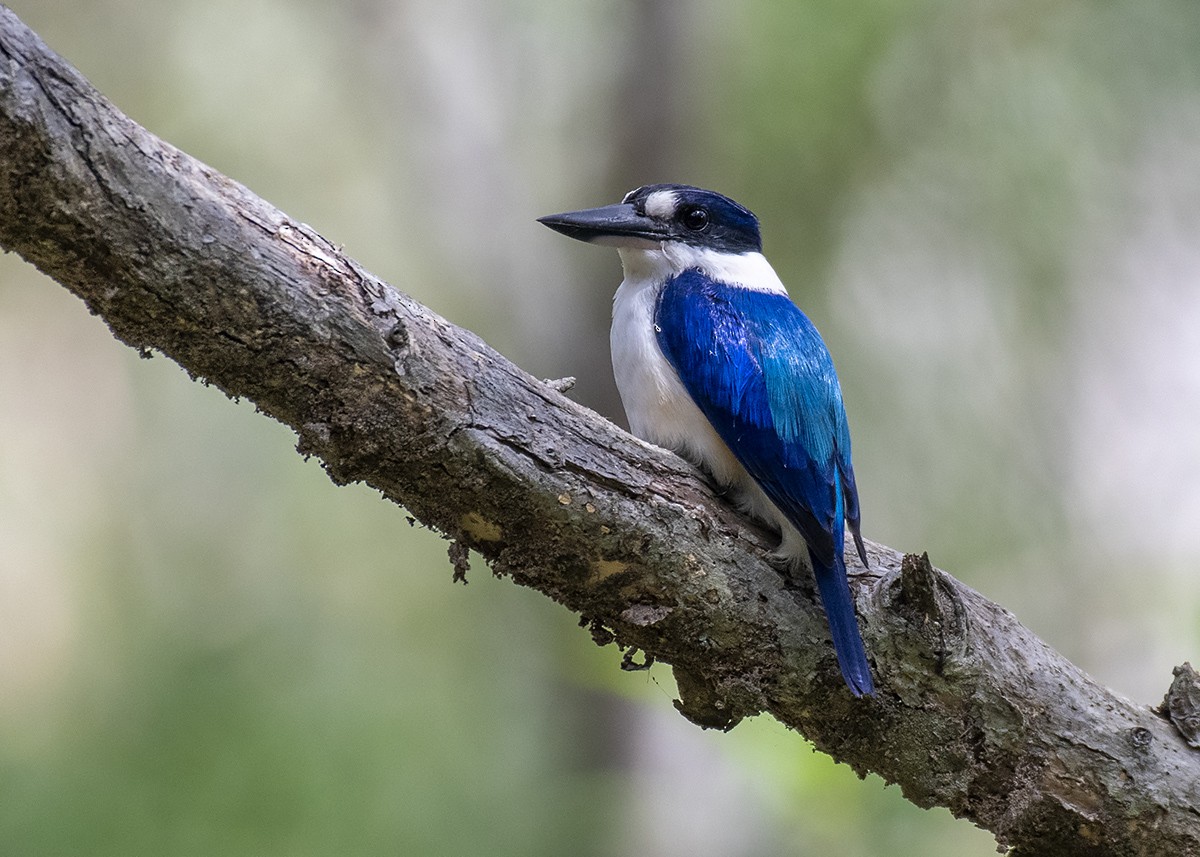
[{"x": 759, "y": 371}]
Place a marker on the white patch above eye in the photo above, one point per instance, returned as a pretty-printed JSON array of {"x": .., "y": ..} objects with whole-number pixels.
[{"x": 661, "y": 204}]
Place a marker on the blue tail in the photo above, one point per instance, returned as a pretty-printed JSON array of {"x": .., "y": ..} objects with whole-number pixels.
[{"x": 843, "y": 625}]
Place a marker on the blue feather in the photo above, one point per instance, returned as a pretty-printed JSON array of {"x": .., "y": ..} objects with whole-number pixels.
[{"x": 760, "y": 373}]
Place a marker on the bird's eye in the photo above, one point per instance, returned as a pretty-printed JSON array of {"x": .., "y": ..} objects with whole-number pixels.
[{"x": 695, "y": 218}]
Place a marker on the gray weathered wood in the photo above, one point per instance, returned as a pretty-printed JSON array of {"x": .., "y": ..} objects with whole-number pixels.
[{"x": 974, "y": 712}]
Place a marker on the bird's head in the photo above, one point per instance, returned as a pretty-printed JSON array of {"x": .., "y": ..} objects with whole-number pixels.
[{"x": 672, "y": 220}]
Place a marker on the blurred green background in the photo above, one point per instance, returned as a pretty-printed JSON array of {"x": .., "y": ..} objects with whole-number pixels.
[{"x": 991, "y": 210}]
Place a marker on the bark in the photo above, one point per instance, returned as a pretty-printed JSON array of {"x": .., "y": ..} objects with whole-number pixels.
[{"x": 974, "y": 713}]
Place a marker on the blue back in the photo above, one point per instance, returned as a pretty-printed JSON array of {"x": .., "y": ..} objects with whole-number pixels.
[{"x": 760, "y": 372}]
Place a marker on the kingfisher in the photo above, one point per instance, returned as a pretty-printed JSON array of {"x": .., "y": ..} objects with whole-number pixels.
[{"x": 715, "y": 362}]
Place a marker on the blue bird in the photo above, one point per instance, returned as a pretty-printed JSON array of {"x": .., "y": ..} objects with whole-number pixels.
[{"x": 714, "y": 361}]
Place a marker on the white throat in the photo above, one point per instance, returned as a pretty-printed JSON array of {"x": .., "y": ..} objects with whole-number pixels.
[{"x": 657, "y": 264}]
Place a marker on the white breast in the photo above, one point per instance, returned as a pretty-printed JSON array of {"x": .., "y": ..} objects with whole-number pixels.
[{"x": 659, "y": 408}]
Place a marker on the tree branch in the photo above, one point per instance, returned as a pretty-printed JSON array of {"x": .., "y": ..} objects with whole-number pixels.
[{"x": 974, "y": 712}]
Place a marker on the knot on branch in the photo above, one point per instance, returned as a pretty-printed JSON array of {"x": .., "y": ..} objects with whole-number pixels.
[
  {"x": 703, "y": 703},
  {"x": 917, "y": 593},
  {"x": 1181, "y": 705},
  {"x": 933, "y": 633},
  {"x": 560, "y": 385},
  {"x": 399, "y": 342}
]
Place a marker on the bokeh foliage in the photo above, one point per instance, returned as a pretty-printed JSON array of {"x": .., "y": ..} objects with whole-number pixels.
[{"x": 990, "y": 210}]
